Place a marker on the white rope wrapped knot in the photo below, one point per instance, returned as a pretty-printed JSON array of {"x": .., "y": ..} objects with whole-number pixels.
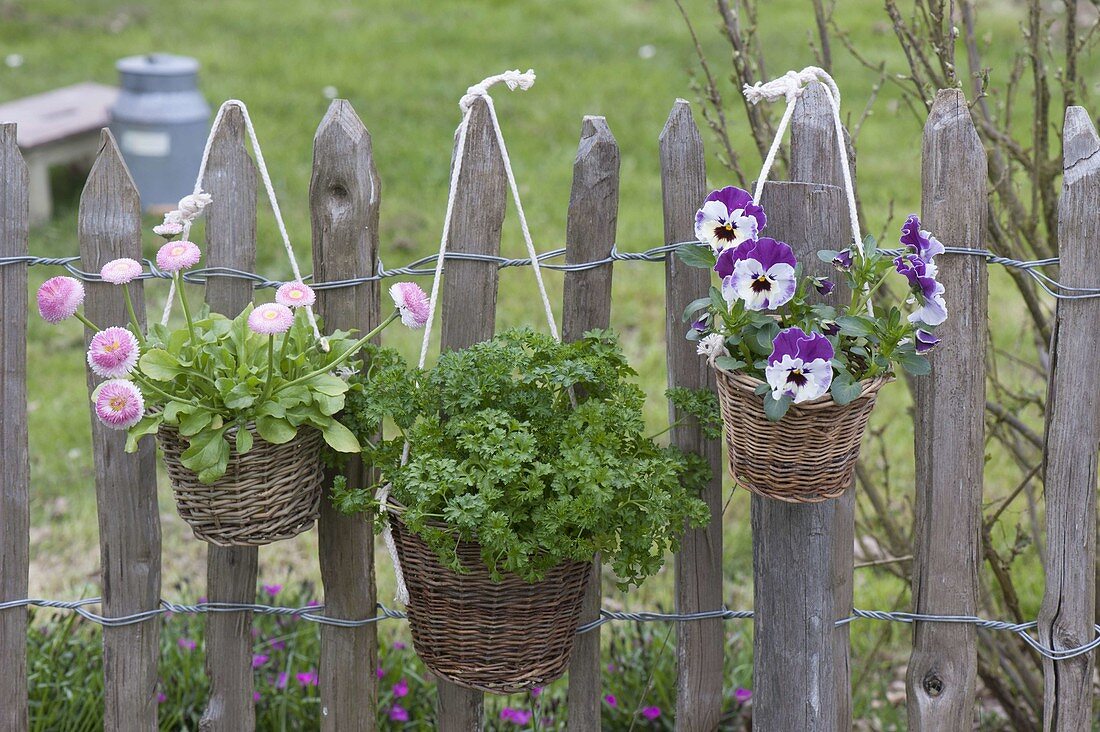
[
  {"x": 790, "y": 86},
  {"x": 514, "y": 79}
]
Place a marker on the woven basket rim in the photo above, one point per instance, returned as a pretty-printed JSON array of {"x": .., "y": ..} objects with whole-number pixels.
[{"x": 744, "y": 382}]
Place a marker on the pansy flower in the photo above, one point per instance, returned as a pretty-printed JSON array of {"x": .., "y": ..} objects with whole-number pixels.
[
  {"x": 926, "y": 289},
  {"x": 800, "y": 365},
  {"x": 920, "y": 241},
  {"x": 925, "y": 341},
  {"x": 843, "y": 260},
  {"x": 728, "y": 217},
  {"x": 758, "y": 271}
]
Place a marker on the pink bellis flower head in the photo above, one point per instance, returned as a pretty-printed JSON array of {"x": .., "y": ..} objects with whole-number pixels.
[
  {"x": 59, "y": 298},
  {"x": 759, "y": 271},
  {"x": 120, "y": 271},
  {"x": 171, "y": 227},
  {"x": 412, "y": 302},
  {"x": 118, "y": 404},
  {"x": 295, "y": 295},
  {"x": 271, "y": 318},
  {"x": 113, "y": 353},
  {"x": 800, "y": 365},
  {"x": 728, "y": 217},
  {"x": 178, "y": 255}
]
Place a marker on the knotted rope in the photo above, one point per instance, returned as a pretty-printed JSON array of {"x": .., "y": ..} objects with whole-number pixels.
[{"x": 513, "y": 80}]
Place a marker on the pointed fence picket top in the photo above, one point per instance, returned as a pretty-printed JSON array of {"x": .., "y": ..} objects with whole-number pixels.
[
  {"x": 1072, "y": 435},
  {"x": 230, "y": 180},
  {"x": 816, "y": 158},
  {"x": 590, "y": 236},
  {"x": 468, "y": 312},
  {"x": 109, "y": 227},
  {"x": 15, "y": 468},
  {"x": 344, "y": 197},
  {"x": 949, "y": 428},
  {"x": 699, "y": 644}
]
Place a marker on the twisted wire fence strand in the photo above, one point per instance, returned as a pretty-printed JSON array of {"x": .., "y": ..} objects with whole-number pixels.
[{"x": 417, "y": 268}]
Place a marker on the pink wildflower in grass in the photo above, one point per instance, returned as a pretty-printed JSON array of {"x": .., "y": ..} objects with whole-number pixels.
[
  {"x": 295, "y": 295},
  {"x": 401, "y": 688},
  {"x": 178, "y": 255},
  {"x": 399, "y": 646},
  {"x": 399, "y": 713},
  {"x": 119, "y": 405},
  {"x": 161, "y": 697},
  {"x": 256, "y": 696},
  {"x": 59, "y": 298},
  {"x": 278, "y": 645},
  {"x": 412, "y": 302},
  {"x": 271, "y": 318},
  {"x": 651, "y": 713},
  {"x": 380, "y": 672},
  {"x": 742, "y": 695},
  {"x": 280, "y": 680},
  {"x": 308, "y": 678},
  {"x": 610, "y": 700},
  {"x": 536, "y": 691},
  {"x": 113, "y": 353},
  {"x": 272, "y": 590},
  {"x": 120, "y": 271},
  {"x": 187, "y": 644},
  {"x": 313, "y": 603},
  {"x": 259, "y": 659},
  {"x": 515, "y": 716}
]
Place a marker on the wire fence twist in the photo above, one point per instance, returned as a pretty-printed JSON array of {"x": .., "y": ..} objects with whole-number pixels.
[{"x": 418, "y": 268}]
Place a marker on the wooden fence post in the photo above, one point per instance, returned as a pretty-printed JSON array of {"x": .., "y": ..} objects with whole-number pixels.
[
  {"x": 230, "y": 571},
  {"x": 816, "y": 158},
  {"x": 589, "y": 236},
  {"x": 15, "y": 469},
  {"x": 795, "y": 672},
  {"x": 699, "y": 644},
  {"x": 950, "y": 427},
  {"x": 344, "y": 201},
  {"x": 1072, "y": 438},
  {"x": 109, "y": 226},
  {"x": 468, "y": 311}
]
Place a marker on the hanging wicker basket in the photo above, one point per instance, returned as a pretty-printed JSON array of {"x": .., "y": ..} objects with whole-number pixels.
[
  {"x": 806, "y": 457},
  {"x": 497, "y": 637},
  {"x": 273, "y": 492}
]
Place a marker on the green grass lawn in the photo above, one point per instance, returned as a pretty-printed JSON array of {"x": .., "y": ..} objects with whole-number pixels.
[{"x": 403, "y": 66}]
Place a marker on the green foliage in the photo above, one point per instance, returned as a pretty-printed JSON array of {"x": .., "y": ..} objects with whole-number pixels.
[
  {"x": 500, "y": 455},
  {"x": 212, "y": 380}
]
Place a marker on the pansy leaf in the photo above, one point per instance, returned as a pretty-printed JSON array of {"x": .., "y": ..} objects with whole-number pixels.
[
  {"x": 915, "y": 364},
  {"x": 695, "y": 255},
  {"x": 827, "y": 255},
  {"x": 844, "y": 390},
  {"x": 693, "y": 335},
  {"x": 774, "y": 409},
  {"x": 762, "y": 389},
  {"x": 855, "y": 326},
  {"x": 695, "y": 306},
  {"x": 160, "y": 365},
  {"x": 729, "y": 363}
]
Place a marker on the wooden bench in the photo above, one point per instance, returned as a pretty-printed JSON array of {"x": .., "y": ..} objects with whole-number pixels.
[{"x": 58, "y": 127}]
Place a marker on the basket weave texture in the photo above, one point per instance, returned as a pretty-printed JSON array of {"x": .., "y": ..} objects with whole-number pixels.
[
  {"x": 806, "y": 457},
  {"x": 272, "y": 492},
  {"x": 497, "y": 637}
]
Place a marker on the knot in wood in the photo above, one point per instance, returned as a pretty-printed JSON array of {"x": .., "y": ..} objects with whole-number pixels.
[{"x": 933, "y": 684}]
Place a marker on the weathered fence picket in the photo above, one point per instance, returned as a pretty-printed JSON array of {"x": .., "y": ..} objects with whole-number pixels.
[
  {"x": 468, "y": 310},
  {"x": 230, "y": 571},
  {"x": 949, "y": 429},
  {"x": 1072, "y": 437},
  {"x": 108, "y": 227},
  {"x": 797, "y": 680},
  {"x": 699, "y": 644},
  {"x": 586, "y": 304},
  {"x": 344, "y": 195},
  {"x": 15, "y": 468}
]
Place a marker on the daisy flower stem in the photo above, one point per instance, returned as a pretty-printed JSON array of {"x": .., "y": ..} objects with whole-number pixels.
[
  {"x": 270, "y": 365},
  {"x": 343, "y": 356},
  {"x": 87, "y": 323},
  {"x": 183, "y": 303},
  {"x": 147, "y": 383},
  {"x": 282, "y": 348},
  {"x": 133, "y": 315}
]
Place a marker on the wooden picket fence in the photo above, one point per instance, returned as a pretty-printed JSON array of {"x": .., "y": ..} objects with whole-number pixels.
[{"x": 802, "y": 554}]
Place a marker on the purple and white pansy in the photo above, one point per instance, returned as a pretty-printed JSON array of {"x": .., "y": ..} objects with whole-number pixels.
[
  {"x": 919, "y": 268},
  {"x": 759, "y": 271},
  {"x": 919, "y": 240},
  {"x": 800, "y": 366},
  {"x": 728, "y": 217}
]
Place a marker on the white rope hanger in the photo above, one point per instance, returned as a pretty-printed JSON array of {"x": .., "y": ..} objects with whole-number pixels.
[
  {"x": 261, "y": 165},
  {"x": 514, "y": 80}
]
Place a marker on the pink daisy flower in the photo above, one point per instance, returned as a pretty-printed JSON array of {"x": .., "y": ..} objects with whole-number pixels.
[
  {"x": 113, "y": 353},
  {"x": 177, "y": 255},
  {"x": 295, "y": 295},
  {"x": 120, "y": 271},
  {"x": 412, "y": 302},
  {"x": 271, "y": 318},
  {"x": 59, "y": 298},
  {"x": 172, "y": 226},
  {"x": 119, "y": 404}
]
